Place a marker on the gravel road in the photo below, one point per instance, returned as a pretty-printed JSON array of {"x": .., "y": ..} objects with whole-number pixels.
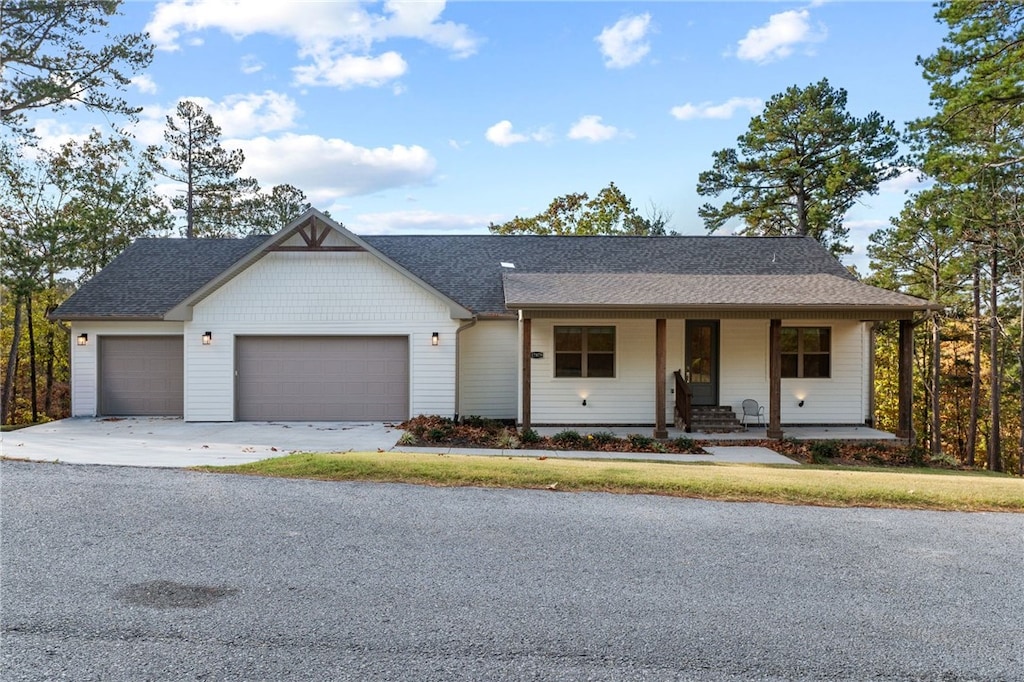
[{"x": 141, "y": 574}]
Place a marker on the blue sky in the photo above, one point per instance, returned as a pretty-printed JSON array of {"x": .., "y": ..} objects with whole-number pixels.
[{"x": 403, "y": 117}]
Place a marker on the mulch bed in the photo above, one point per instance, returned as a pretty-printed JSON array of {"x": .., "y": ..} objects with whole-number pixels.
[{"x": 476, "y": 432}]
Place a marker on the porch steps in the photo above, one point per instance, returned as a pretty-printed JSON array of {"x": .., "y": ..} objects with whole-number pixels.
[{"x": 715, "y": 419}]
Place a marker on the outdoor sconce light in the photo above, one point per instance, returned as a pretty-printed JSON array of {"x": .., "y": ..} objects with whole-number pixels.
[
  {"x": 207, "y": 338},
  {"x": 584, "y": 402},
  {"x": 434, "y": 339},
  {"x": 801, "y": 403},
  {"x": 83, "y": 339}
]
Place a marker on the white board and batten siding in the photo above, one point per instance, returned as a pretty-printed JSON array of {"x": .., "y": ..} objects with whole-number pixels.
[
  {"x": 489, "y": 369},
  {"x": 85, "y": 359},
  {"x": 319, "y": 294},
  {"x": 628, "y": 398}
]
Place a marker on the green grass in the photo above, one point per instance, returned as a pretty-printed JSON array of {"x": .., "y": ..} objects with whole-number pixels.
[{"x": 825, "y": 486}]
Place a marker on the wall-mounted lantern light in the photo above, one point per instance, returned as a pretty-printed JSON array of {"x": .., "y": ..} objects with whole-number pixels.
[
  {"x": 584, "y": 402},
  {"x": 207, "y": 338},
  {"x": 435, "y": 338},
  {"x": 83, "y": 339},
  {"x": 801, "y": 403}
]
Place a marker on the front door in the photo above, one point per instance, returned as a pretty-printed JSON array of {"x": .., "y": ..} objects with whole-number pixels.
[{"x": 701, "y": 369}]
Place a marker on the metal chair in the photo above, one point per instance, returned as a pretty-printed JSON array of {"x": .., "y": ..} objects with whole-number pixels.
[{"x": 752, "y": 410}]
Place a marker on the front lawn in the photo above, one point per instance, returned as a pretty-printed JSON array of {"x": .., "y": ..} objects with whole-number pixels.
[{"x": 825, "y": 486}]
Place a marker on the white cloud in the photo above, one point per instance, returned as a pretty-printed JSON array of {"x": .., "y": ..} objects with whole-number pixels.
[
  {"x": 624, "y": 44},
  {"x": 338, "y": 37},
  {"x": 52, "y": 133},
  {"x": 725, "y": 110},
  {"x": 328, "y": 168},
  {"x": 777, "y": 38},
  {"x": 420, "y": 222},
  {"x": 346, "y": 71},
  {"x": 251, "y": 64},
  {"x": 144, "y": 84},
  {"x": 909, "y": 180},
  {"x": 501, "y": 134},
  {"x": 237, "y": 115},
  {"x": 591, "y": 129}
]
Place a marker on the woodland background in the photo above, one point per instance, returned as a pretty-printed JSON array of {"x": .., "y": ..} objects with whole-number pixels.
[{"x": 801, "y": 165}]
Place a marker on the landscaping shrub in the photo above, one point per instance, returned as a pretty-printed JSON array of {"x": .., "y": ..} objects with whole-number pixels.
[
  {"x": 567, "y": 438},
  {"x": 529, "y": 436},
  {"x": 639, "y": 442},
  {"x": 603, "y": 437},
  {"x": 685, "y": 444},
  {"x": 824, "y": 450},
  {"x": 507, "y": 440}
]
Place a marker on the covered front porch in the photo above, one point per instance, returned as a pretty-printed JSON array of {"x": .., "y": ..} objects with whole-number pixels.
[{"x": 662, "y": 363}]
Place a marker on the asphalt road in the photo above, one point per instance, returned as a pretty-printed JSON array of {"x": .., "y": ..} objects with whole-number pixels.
[{"x": 141, "y": 574}]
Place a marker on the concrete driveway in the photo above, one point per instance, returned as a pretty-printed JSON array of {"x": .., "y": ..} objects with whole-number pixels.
[{"x": 171, "y": 442}]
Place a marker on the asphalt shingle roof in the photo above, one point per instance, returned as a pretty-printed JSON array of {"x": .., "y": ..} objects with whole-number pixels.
[
  {"x": 154, "y": 275},
  {"x": 468, "y": 268},
  {"x": 525, "y": 290}
]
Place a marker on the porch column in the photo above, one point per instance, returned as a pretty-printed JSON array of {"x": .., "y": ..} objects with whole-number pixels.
[
  {"x": 659, "y": 379},
  {"x": 905, "y": 419},
  {"x": 775, "y": 379},
  {"x": 527, "y": 337}
]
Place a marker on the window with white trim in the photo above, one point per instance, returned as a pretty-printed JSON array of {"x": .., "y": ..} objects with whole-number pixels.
[
  {"x": 806, "y": 352},
  {"x": 585, "y": 352}
]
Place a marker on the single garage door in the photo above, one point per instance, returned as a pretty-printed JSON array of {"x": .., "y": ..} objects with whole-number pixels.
[
  {"x": 142, "y": 375},
  {"x": 322, "y": 378}
]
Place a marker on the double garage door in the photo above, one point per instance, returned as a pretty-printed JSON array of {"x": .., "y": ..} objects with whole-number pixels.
[
  {"x": 278, "y": 378},
  {"x": 322, "y": 378}
]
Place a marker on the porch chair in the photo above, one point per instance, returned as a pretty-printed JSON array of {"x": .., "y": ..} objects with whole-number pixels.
[{"x": 752, "y": 410}]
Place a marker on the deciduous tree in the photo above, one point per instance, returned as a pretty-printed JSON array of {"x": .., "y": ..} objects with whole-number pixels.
[{"x": 609, "y": 213}]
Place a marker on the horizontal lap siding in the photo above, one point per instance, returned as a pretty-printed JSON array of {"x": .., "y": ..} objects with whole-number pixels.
[
  {"x": 628, "y": 398},
  {"x": 839, "y": 399},
  {"x": 319, "y": 294},
  {"x": 744, "y": 363},
  {"x": 488, "y": 369}
]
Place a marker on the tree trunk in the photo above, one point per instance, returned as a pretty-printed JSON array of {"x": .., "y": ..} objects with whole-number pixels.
[
  {"x": 972, "y": 424},
  {"x": 7, "y": 408},
  {"x": 936, "y": 385},
  {"x": 1020, "y": 352},
  {"x": 33, "y": 383},
  {"x": 50, "y": 352},
  {"x": 995, "y": 460}
]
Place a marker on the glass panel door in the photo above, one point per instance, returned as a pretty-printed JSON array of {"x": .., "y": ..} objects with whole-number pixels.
[{"x": 702, "y": 360}]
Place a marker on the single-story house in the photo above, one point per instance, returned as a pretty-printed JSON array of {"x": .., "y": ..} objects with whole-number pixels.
[{"x": 317, "y": 323}]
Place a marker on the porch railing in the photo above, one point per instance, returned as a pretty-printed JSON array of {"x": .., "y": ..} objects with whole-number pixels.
[{"x": 684, "y": 402}]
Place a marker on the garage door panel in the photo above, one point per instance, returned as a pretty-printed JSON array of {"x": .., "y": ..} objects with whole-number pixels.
[
  {"x": 141, "y": 375},
  {"x": 322, "y": 378}
]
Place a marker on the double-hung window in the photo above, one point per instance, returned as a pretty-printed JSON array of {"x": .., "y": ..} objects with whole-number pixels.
[
  {"x": 584, "y": 351},
  {"x": 806, "y": 352}
]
